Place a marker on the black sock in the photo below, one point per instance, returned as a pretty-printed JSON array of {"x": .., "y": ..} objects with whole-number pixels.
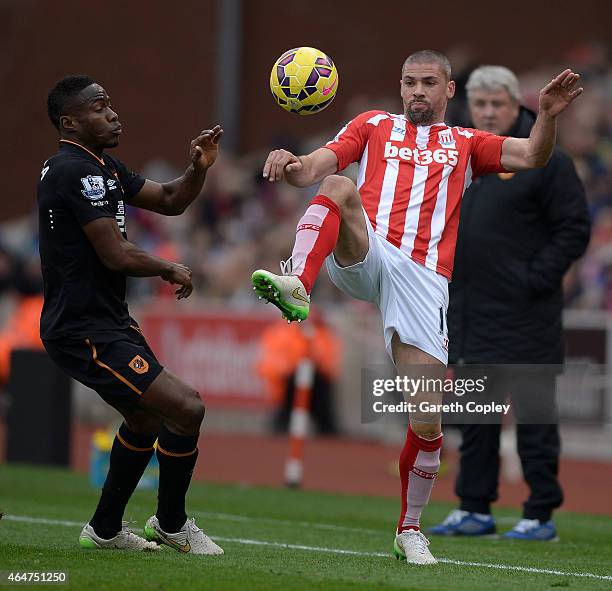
[
  {"x": 128, "y": 459},
  {"x": 177, "y": 455}
]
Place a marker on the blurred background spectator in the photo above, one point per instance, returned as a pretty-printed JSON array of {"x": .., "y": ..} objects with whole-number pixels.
[
  {"x": 283, "y": 347},
  {"x": 21, "y": 289}
]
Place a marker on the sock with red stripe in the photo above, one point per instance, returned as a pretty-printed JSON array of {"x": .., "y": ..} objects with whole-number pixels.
[
  {"x": 129, "y": 457},
  {"x": 315, "y": 238},
  {"x": 177, "y": 455},
  {"x": 419, "y": 463}
]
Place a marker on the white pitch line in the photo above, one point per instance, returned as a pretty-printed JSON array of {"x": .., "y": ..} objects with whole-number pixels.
[
  {"x": 312, "y": 524},
  {"x": 247, "y": 519},
  {"x": 523, "y": 569},
  {"x": 527, "y": 569},
  {"x": 272, "y": 520},
  {"x": 42, "y": 520}
]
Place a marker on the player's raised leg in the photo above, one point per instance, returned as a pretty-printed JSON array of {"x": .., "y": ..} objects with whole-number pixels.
[
  {"x": 332, "y": 222},
  {"x": 182, "y": 411},
  {"x": 420, "y": 457}
]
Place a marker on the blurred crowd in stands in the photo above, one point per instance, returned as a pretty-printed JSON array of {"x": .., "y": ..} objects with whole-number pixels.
[{"x": 242, "y": 222}]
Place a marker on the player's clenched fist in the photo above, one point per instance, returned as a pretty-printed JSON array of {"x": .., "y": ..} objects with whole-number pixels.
[{"x": 280, "y": 162}]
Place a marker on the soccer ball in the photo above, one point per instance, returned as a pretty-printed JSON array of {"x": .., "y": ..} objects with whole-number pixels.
[{"x": 304, "y": 80}]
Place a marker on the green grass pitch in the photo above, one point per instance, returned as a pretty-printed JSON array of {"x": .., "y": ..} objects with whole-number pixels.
[{"x": 281, "y": 539}]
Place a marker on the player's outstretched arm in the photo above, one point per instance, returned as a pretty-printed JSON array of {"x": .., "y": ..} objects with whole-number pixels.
[
  {"x": 536, "y": 150},
  {"x": 122, "y": 256},
  {"x": 174, "y": 197},
  {"x": 301, "y": 171}
]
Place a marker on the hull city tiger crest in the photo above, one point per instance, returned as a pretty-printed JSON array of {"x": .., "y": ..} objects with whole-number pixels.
[
  {"x": 93, "y": 187},
  {"x": 139, "y": 365}
]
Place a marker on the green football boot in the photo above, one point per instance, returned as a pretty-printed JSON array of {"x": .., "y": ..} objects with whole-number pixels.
[{"x": 286, "y": 292}]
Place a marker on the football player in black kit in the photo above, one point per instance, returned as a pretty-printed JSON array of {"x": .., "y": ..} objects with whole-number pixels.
[{"x": 85, "y": 324}]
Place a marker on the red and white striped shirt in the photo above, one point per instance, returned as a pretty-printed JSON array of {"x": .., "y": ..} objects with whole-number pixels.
[{"x": 412, "y": 178}]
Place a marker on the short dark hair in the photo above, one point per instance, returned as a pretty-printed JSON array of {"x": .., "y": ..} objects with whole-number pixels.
[
  {"x": 62, "y": 93},
  {"x": 428, "y": 56}
]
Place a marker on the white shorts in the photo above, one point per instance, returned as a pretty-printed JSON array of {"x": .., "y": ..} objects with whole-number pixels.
[{"x": 413, "y": 299}]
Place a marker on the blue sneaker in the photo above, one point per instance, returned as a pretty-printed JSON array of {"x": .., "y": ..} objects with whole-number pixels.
[
  {"x": 533, "y": 530},
  {"x": 464, "y": 523}
]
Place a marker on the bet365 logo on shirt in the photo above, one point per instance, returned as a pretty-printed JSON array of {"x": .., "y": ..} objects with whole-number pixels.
[{"x": 422, "y": 157}]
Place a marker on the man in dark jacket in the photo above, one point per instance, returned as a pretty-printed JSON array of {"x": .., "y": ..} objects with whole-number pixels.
[{"x": 518, "y": 235}]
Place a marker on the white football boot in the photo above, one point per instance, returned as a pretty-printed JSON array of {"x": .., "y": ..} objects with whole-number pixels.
[
  {"x": 412, "y": 546},
  {"x": 285, "y": 291},
  {"x": 126, "y": 539},
  {"x": 189, "y": 539}
]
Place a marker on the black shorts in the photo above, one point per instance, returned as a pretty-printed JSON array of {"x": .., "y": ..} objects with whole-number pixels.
[{"x": 119, "y": 366}]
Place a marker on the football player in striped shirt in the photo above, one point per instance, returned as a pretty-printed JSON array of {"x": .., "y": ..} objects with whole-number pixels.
[{"x": 391, "y": 239}]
